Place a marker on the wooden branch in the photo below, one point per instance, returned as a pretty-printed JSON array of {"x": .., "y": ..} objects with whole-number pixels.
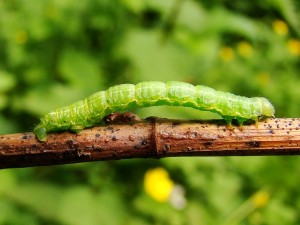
[{"x": 155, "y": 138}]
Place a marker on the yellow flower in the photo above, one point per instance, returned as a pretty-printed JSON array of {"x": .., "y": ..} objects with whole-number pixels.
[
  {"x": 294, "y": 47},
  {"x": 263, "y": 78},
  {"x": 226, "y": 54},
  {"x": 280, "y": 27},
  {"x": 158, "y": 184},
  {"x": 244, "y": 49},
  {"x": 260, "y": 199},
  {"x": 21, "y": 37}
]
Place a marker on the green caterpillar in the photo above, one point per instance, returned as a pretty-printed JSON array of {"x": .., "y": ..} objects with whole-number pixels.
[{"x": 90, "y": 111}]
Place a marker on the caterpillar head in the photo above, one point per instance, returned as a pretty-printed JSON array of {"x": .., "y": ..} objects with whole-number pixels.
[{"x": 267, "y": 108}]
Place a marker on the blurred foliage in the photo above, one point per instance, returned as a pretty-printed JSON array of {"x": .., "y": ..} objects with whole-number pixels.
[{"x": 54, "y": 52}]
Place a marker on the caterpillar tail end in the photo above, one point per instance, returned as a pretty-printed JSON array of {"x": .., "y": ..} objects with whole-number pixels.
[{"x": 41, "y": 132}]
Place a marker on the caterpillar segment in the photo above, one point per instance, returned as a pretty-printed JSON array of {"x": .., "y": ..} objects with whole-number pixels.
[{"x": 93, "y": 109}]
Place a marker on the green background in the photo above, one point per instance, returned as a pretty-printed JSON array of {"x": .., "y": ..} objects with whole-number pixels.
[{"x": 54, "y": 52}]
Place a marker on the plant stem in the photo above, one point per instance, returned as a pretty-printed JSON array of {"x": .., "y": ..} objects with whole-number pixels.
[{"x": 154, "y": 138}]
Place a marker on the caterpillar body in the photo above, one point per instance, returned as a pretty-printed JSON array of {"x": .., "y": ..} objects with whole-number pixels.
[{"x": 90, "y": 111}]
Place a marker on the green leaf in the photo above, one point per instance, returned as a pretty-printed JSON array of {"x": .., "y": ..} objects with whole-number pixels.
[
  {"x": 8, "y": 125},
  {"x": 7, "y": 81},
  {"x": 90, "y": 207},
  {"x": 40, "y": 197},
  {"x": 8, "y": 181},
  {"x": 154, "y": 59},
  {"x": 80, "y": 69}
]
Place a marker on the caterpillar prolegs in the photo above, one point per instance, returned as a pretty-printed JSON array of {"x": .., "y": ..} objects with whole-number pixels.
[{"x": 90, "y": 111}]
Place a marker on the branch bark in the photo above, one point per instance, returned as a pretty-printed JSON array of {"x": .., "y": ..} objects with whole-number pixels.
[{"x": 155, "y": 138}]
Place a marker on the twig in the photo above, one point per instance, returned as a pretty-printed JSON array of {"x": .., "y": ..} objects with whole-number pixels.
[{"x": 155, "y": 138}]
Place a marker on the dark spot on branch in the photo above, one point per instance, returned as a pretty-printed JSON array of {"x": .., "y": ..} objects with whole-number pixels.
[
  {"x": 25, "y": 137},
  {"x": 151, "y": 119},
  {"x": 207, "y": 144},
  {"x": 121, "y": 118},
  {"x": 166, "y": 148},
  {"x": 115, "y": 155},
  {"x": 253, "y": 144},
  {"x": 85, "y": 155},
  {"x": 144, "y": 142},
  {"x": 114, "y": 138},
  {"x": 110, "y": 128},
  {"x": 190, "y": 148},
  {"x": 174, "y": 124},
  {"x": 131, "y": 138},
  {"x": 71, "y": 144}
]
